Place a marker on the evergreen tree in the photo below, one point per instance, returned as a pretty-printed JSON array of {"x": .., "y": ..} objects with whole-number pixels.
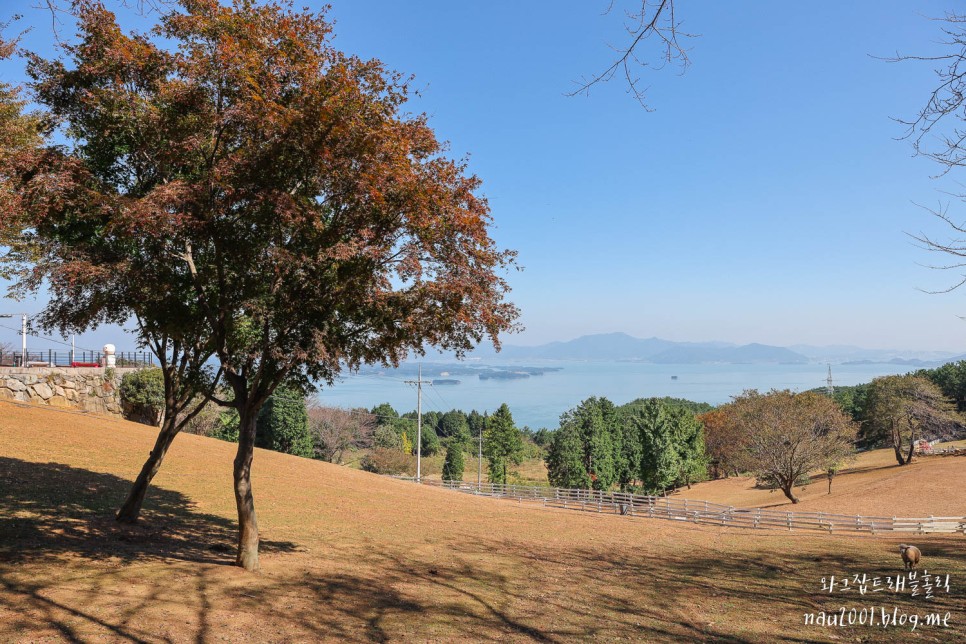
[
  {"x": 430, "y": 441},
  {"x": 387, "y": 437},
  {"x": 476, "y": 422},
  {"x": 430, "y": 419},
  {"x": 689, "y": 441},
  {"x": 660, "y": 463},
  {"x": 543, "y": 436},
  {"x": 631, "y": 452},
  {"x": 454, "y": 424},
  {"x": 565, "y": 459},
  {"x": 283, "y": 424},
  {"x": 591, "y": 435},
  {"x": 384, "y": 413},
  {"x": 453, "y": 466},
  {"x": 590, "y": 419},
  {"x": 502, "y": 444}
]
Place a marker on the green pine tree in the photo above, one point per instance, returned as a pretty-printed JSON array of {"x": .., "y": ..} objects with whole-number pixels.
[
  {"x": 689, "y": 441},
  {"x": 453, "y": 465},
  {"x": 283, "y": 424},
  {"x": 565, "y": 460},
  {"x": 660, "y": 462},
  {"x": 502, "y": 444}
]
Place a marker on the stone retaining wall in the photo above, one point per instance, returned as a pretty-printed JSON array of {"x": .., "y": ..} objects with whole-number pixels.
[{"x": 88, "y": 388}]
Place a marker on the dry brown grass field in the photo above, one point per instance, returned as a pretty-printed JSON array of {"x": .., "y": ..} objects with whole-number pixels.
[
  {"x": 351, "y": 556},
  {"x": 873, "y": 485}
]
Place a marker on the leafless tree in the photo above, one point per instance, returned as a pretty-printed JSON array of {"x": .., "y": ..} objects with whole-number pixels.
[
  {"x": 6, "y": 353},
  {"x": 647, "y": 22},
  {"x": 937, "y": 131},
  {"x": 334, "y": 430}
]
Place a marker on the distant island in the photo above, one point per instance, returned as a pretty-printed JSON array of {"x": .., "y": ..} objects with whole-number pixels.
[
  {"x": 495, "y": 374},
  {"x": 621, "y": 347},
  {"x": 442, "y": 373}
]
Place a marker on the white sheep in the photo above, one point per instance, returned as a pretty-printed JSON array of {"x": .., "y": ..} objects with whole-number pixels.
[{"x": 910, "y": 556}]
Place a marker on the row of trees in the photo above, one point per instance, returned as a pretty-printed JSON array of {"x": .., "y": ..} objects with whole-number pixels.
[
  {"x": 654, "y": 445},
  {"x": 647, "y": 444},
  {"x": 292, "y": 424},
  {"x": 503, "y": 442},
  {"x": 782, "y": 437}
]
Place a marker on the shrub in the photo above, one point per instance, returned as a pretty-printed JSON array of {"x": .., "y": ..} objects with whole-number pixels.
[
  {"x": 381, "y": 460},
  {"x": 142, "y": 396},
  {"x": 206, "y": 422},
  {"x": 227, "y": 427}
]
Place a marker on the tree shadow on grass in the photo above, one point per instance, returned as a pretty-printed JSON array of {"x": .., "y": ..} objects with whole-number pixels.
[
  {"x": 476, "y": 589},
  {"x": 51, "y": 509}
]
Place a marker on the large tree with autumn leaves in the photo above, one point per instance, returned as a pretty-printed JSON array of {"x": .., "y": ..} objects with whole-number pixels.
[{"x": 264, "y": 192}]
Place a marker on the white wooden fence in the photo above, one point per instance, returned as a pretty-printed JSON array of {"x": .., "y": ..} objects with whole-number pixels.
[
  {"x": 675, "y": 509},
  {"x": 944, "y": 451}
]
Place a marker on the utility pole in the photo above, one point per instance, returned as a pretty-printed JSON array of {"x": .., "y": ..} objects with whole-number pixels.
[
  {"x": 419, "y": 382},
  {"x": 828, "y": 381},
  {"x": 479, "y": 463}
]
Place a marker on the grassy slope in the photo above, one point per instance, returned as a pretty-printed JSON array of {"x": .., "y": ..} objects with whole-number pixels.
[
  {"x": 873, "y": 485},
  {"x": 353, "y": 556}
]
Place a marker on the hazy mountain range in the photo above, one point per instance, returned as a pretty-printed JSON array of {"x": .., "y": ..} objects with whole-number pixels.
[{"x": 623, "y": 347}]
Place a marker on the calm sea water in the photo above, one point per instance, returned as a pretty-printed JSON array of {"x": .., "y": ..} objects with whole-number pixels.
[{"x": 539, "y": 401}]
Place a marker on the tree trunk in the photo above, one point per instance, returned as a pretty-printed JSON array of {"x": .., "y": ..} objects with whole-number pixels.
[
  {"x": 131, "y": 508},
  {"x": 912, "y": 450},
  {"x": 247, "y": 523},
  {"x": 791, "y": 495},
  {"x": 897, "y": 446}
]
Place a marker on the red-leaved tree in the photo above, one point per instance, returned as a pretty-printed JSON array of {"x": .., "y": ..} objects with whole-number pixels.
[{"x": 272, "y": 188}]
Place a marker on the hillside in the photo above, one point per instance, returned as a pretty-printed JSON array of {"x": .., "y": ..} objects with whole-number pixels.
[
  {"x": 873, "y": 485},
  {"x": 620, "y": 346},
  {"x": 351, "y": 556}
]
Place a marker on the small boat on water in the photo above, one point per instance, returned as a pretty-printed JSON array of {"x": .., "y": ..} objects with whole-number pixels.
[{"x": 674, "y": 377}]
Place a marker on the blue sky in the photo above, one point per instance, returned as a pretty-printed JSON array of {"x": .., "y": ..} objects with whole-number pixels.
[{"x": 765, "y": 199}]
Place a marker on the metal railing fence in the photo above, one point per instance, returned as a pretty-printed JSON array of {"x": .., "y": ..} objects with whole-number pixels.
[{"x": 74, "y": 359}]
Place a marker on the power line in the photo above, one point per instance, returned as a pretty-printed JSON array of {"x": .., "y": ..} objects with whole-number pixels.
[{"x": 45, "y": 337}]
